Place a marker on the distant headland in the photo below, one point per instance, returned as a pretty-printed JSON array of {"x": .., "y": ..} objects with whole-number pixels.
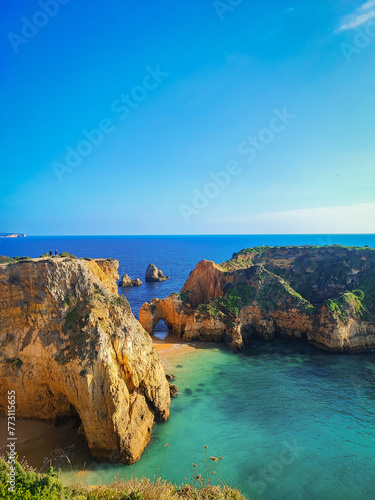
[
  {"x": 12, "y": 235},
  {"x": 324, "y": 294}
]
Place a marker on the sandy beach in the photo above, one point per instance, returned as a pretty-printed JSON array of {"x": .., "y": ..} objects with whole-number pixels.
[
  {"x": 172, "y": 345},
  {"x": 40, "y": 442}
]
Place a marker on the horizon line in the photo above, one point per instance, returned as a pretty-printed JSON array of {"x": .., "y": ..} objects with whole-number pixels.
[{"x": 190, "y": 235}]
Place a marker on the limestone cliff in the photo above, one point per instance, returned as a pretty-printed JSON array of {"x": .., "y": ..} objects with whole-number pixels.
[
  {"x": 69, "y": 344},
  {"x": 324, "y": 294}
]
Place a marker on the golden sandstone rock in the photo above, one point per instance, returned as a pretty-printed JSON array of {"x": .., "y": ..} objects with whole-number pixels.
[
  {"x": 69, "y": 344},
  {"x": 325, "y": 295}
]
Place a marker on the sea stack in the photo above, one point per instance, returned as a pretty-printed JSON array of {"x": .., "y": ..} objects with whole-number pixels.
[
  {"x": 153, "y": 274},
  {"x": 70, "y": 345},
  {"x": 127, "y": 281}
]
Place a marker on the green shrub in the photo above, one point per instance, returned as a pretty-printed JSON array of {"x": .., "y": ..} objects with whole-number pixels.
[
  {"x": 6, "y": 260},
  {"x": 67, "y": 254},
  {"x": 185, "y": 296},
  {"x": 17, "y": 362},
  {"x": 9, "y": 260},
  {"x": 31, "y": 485},
  {"x": 343, "y": 301}
]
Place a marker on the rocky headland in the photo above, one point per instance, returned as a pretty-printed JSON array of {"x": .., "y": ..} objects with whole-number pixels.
[
  {"x": 70, "y": 346},
  {"x": 325, "y": 295}
]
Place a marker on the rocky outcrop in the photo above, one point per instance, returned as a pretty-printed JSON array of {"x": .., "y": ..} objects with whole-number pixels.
[
  {"x": 173, "y": 390},
  {"x": 70, "y": 345},
  {"x": 127, "y": 281},
  {"x": 106, "y": 270},
  {"x": 322, "y": 294},
  {"x": 203, "y": 283},
  {"x": 153, "y": 274}
]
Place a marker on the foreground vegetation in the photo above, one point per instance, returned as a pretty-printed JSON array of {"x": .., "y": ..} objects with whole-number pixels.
[{"x": 30, "y": 485}]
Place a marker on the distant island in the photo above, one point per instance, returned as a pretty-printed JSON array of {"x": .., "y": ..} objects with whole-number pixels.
[{"x": 12, "y": 235}]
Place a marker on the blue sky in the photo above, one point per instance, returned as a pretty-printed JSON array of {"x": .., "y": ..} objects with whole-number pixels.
[{"x": 179, "y": 89}]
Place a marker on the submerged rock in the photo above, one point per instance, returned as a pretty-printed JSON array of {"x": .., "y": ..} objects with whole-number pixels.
[
  {"x": 322, "y": 294},
  {"x": 153, "y": 274},
  {"x": 69, "y": 344},
  {"x": 173, "y": 391}
]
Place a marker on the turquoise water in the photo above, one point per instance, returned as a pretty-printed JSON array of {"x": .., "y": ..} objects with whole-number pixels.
[{"x": 291, "y": 423}]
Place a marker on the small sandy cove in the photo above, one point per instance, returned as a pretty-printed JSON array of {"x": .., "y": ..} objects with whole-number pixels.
[
  {"x": 38, "y": 440},
  {"x": 172, "y": 345}
]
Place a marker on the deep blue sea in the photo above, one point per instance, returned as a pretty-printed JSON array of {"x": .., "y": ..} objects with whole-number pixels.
[
  {"x": 291, "y": 422},
  {"x": 175, "y": 255}
]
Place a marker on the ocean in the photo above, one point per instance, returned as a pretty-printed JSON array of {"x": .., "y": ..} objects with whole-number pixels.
[{"x": 290, "y": 421}]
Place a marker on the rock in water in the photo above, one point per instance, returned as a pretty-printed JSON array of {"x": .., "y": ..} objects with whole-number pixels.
[
  {"x": 154, "y": 274},
  {"x": 137, "y": 282},
  {"x": 173, "y": 390},
  {"x": 69, "y": 344},
  {"x": 323, "y": 294},
  {"x": 125, "y": 281}
]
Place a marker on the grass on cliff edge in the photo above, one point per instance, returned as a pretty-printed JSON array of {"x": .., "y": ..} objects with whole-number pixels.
[
  {"x": 31, "y": 485},
  {"x": 4, "y": 259}
]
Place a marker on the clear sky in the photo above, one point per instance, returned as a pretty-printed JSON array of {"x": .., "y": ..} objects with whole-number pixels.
[{"x": 278, "y": 95}]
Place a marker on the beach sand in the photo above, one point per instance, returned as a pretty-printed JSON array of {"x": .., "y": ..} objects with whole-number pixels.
[
  {"x": 172, "y": 347},
  {"x": 40, "y": 442}
]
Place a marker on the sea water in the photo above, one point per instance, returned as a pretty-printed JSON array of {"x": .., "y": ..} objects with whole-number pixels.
[{"x": 290, "y": 421}]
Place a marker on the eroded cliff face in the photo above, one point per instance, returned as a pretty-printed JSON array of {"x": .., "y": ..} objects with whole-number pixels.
[
  {"x": 323, "y": 294},
  {"x": 204, "y": 282},
  {"x": 70, "y": 344}
]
